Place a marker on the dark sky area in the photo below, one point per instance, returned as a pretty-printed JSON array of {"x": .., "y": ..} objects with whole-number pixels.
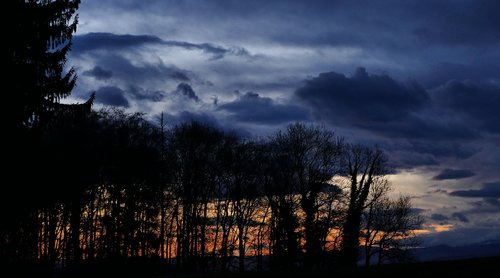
[{"x": 420, "y": 79}]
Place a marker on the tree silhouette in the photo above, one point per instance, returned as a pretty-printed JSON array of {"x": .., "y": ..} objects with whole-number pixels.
[
  {"x": 389, "y": 230},
  {"x": 365, "y": 169},
  {"x": 39, "y": 57},
  {"x": 197, "y": 150},
  {"x": 313, "y": 155},
  {"x": 36, "y": 80}
]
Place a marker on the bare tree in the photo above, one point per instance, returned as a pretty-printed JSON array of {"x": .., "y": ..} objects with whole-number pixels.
[
  {"x": 389, "y": 230},
  {"x": 312, "y": 156},
  {"x": 364, "y": 168}
]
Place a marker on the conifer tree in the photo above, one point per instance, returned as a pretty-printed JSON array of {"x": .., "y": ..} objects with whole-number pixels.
[{"x": 43, "y": 31}]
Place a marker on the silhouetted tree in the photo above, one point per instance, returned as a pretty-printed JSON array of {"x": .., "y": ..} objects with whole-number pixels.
[
  {"x": 45, "y": 29},
  {"x": 197, "y": 150},
  {"x": 284, "y": 236},
  {"x": 389, "y": 230},
  {"x": 245, "y": 190},
  {"x": 313, "y": 156},
  {"x": 365, "y": 169},
  {"x": 42, "y": 32}
]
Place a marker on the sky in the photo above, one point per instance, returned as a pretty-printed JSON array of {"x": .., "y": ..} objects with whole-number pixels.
[{"x": 420, "y": 79}]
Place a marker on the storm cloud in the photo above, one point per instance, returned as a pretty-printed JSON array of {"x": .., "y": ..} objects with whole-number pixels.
[
  {"x": 186, "y": 90},
  {"x": 112, "y": 96},
  {"x": 449, "y": 174},
  {"x": 488, "y": 190},
  {"x": 253, "y": 108},
  {"x": 99, "y": 73},
  {"x": 109, "y": 41},
  {"x": 477, "y": 103},
  {"x": 362, "y": 99}
]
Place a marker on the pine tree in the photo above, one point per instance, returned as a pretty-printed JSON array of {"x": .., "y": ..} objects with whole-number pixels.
[
  {"x": 38, "y": 38},
  {"x": 43, "y": 31}
]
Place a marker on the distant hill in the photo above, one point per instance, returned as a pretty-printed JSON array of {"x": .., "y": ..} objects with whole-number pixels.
[{"x": 445, "y": 252}]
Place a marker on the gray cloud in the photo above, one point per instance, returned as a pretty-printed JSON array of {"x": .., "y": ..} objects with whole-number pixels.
[
  {"x": 437, "y": 191},
  {"x": 467, "y": 23},
  {"x": 112, "y": 96},
  {"x": 492, "y": 201},
  {"x": 123, "y": 69},
  {"x": 488, "y": 190},
  {"x": 362, "y": 99},
  {"x": 481, "y": 71},
  {"x": 476, "y": 102},
  {"x": 96, "y": 41},
  {"x": 186, "y": 90},
  {"x": 253, "y": 108},
  {"x": 99, "y": 73},
  {"x": 418, "y": 210},
  {"x": 109, "y": 41},
  {"x": 460, "y": 217},
  {"x": 392, "y": 33},
  {"x": 484, "y": 206},
  {"x": 404, "y": 113},
  {"x": 450, "y": 174},
  {"x": 380, "y": 104},
  {"x": 141, "y": 94},
  {"x": 439, "y": 217}
]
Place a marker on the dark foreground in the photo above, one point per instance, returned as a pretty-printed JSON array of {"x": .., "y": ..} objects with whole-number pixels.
[{"x": 478, "y": 267}]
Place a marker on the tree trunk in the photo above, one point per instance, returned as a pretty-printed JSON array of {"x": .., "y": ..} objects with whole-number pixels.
[
  {"x": 350, "y": 241},
  {"x": 75, "y": 229}
]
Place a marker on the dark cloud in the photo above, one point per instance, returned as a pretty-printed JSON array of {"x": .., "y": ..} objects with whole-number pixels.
[
  {"x": 437, "y": 191},
  {"x": 253, "y": 108},
  {"x": 488, "y": 190},
  {"x": 485, "y": 206},
  {"x": 99, "y": 73},
  {"x": 362, "y": 99},
  {"x": 467, "y": 23},
  {"x": 411, "y": 160},
  {"x": 460, "y": 217},
  {"x": 109, "y": 41},
  {"x": 112, "y": 96},
  {"x": 382, "y": 105},
  {"x": 425, "y": 125},
  {"x": 476, "y": 102},
  {"x": 96, "y": 41},
  {"x": 492, "y": 201},
  {"x": 141, "y": 94},
  {"x": 451, "y": 174},
  {"x": 418, "y": 210},
  {"x": 481, "y": 71},
  {"x": 439, "y": 217},
  {"x": 407, "y": 121},
  {"x": 126, "y": 71},
  {"x": 217, "y": 52},
  {"x": 186, "y": 90},
  {"x": 442, "y": 149}
]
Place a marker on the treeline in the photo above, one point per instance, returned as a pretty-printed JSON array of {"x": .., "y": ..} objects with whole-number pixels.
[{"x": 113, "y": 185}]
